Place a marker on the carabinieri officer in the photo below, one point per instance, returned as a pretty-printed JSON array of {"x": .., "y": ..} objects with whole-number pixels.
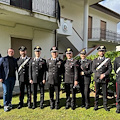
[
  {"x": 117, "y": 71},
  {"x": 71, "y": 77},
  {"x": 37, "y": 76},
  {"x": 55, "y": 70},
  {"x": 23, "y": 76},
  {"x": 102, "y": 68},
  {"x": 84, "y": 73}
]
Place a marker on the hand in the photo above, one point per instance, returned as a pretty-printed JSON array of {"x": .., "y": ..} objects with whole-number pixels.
[
  {"x": 1, "y": 80},
  {"x": 43, "y": 81},
  {"x": 75, "y": 83},
  {"x": 31, "y": 81},
  {"x": 102, "y": 76},
  {"x": 82, "y": 73}
]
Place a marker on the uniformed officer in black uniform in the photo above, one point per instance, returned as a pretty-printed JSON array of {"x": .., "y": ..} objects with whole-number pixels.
[
  {"x": 37, "y": 76},
  {"x": 117, "y": 71},
  {"x": 70, "y": 79},
  {"x": 55, "y": 70},
  {"x": 84, "y": 73},
  {"x": 101, "y": 68},
  {"x": 23, "y": 76}
]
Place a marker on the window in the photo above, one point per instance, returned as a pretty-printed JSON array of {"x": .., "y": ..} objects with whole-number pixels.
[{"x": 26, "y": 4}]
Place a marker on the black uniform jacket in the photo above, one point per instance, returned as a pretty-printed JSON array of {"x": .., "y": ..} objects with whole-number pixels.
[
  {"x": 71, "y": 71},
  {"x": 37, "y": 70},
  {"x": 116, "y": 66},
  {"x": 55, "y": 70},
  {"x": 23, "y": 74},
  {"x": 86, "y": 67},
  {"x": 106, "y": 69}
]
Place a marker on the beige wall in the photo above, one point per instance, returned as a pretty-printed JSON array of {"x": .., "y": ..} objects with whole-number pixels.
[
  {"x": 111, "y": 22},
  {"x": 73, "y": 12},
  {"x": 44, "y": 38}
]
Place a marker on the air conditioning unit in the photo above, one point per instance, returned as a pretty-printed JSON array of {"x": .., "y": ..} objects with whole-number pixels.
[{"x": 65, "y": 27}]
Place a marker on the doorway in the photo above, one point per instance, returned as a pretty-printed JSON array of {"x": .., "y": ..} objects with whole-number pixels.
[{"x": 17, "y": 42}]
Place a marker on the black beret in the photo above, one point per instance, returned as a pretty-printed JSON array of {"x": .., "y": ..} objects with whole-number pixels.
[
  {"x": 37, "y": 48},
  {"x": 83, "y": 52},
  {"x": 22, "y": 48},
  {"x": 101, "y": 48},
  {"x": 54, "y": 49},
  {"x": 69, "y": 50}
]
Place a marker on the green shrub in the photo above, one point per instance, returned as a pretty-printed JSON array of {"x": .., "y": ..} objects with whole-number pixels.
[{"x": 111, "y": 84}]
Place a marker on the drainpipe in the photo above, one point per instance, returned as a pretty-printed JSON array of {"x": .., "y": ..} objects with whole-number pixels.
[
  {"x": 56, "y": 14},
  {"x": 85, "y": 24},
  {"x": 56, "y": 38}
]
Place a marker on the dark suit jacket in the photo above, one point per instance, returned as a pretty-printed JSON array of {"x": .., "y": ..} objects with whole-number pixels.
[
  {"x": 4, "y": 67},
  {"x": 55, "y": 70},
  {"x": 37, "y": 70},
  {"x": 106, "y": 69},
  {"x": 86, "y": 67}
]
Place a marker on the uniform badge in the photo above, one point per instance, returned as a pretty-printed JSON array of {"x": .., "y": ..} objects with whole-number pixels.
[{"x": 33, "y": 62}]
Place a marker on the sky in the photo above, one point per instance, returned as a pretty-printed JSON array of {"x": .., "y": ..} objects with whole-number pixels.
[{"x": 113, "y": 5}]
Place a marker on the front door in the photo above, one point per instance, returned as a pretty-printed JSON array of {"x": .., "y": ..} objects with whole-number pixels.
[{"x": 17, "y": 42}]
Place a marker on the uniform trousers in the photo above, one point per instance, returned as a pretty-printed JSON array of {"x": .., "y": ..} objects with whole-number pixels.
[
  {"x": 52, "y": 89},
  {"x": 97, "y": 92},
  {"x": 69, "y": 89},
  {"x": 85, "y": 91},
  {"x": 41, "y": 86},
  {"x": 118, "y": 95},
  {"x": 22, "y": 92}
]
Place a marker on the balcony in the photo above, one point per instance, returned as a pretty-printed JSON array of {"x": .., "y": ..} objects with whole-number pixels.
[
  {"x": 39, "y": 13},
  {"x": 97, "y": 34}
]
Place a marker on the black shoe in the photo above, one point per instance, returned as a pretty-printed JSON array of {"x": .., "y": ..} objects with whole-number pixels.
[
  {"x": 87, "y": 107},
  {"x": 67, "y": 106},
  {"x": 57, "y": 107},
  {"x": 51, "y": 107},
  {"x": 29, "y": 106},
  {"x": 96, "y": 108},
  {"x": 41, "y": 106},
  {"x": 106, "y": 108},
  {"x": 82, "y": 106},
  {"x": 117, "y": 111},
  {"x": 33, "y": 107},
  {"x": 73, "y": 107},
  {"x": 19, "y": 106}
]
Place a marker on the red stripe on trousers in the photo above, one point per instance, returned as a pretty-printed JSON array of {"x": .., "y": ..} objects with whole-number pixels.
[{"x": 116, "y": 92}]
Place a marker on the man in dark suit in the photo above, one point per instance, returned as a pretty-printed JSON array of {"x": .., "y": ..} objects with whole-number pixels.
[
  {"x": 8, "y": 67},
  {"x": 55, "y": 69},
  {"x": 23, "y": 76},
  {"x": 37, "y": 76},
  {"x": 101, "y": 68},
  {"x": 84, "y": 73},
  {"x": 70, "y": 79},
  {"x": 117, "y": 71}
]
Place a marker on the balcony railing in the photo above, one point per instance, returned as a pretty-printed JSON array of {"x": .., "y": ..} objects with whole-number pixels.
[
  {"x": 101, "y": 34},
  {"x": 46, "y": 7}
]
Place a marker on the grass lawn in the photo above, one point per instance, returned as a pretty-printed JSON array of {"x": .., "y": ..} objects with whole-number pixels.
[{"x": 61, "y": 114}]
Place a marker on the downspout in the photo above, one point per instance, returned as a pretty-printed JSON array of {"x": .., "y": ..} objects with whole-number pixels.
[
  {"x": 85, "y": 24},
  {"x": 56, "y": 16}
]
